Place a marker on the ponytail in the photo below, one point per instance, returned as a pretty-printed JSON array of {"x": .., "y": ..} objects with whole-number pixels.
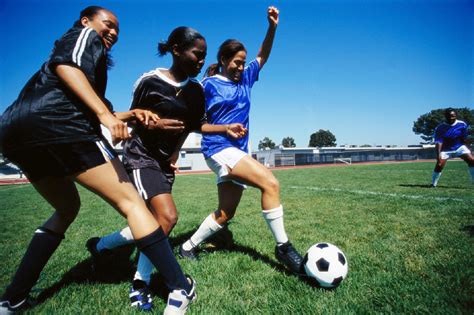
[{"x": 212, "y": 70}]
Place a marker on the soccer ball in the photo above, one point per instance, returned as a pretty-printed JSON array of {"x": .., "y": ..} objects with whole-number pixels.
[{"x": 326, "y": 263}]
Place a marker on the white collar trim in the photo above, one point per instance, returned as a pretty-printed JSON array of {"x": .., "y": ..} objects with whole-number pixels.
[
  {"x": 221, "y": 77},
  {"x": 158, "y": 72}
]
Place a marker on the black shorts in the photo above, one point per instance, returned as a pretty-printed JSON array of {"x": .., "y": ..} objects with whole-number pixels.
[
  {"x": 151, "y": 181},
  {"x": 61, "y": 160}
]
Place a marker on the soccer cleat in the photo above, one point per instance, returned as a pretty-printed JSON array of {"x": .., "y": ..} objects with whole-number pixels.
[
  {"x": 179, "y": 299},
  {"x": 97, "y": 256},
  {"x": 189, "y": 254},
  {"x": 6, "y": 307},
  {"x": 140, "y": 296},
  {"x": 288, "y": 256}
]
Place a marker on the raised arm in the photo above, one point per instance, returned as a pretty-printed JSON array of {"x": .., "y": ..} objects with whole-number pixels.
[{"x": 264, "y": 52}]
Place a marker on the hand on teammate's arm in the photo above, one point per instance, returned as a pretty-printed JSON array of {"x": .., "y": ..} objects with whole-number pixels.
[
  {"x": 166, "y": 125},
  {"x": 142, "y": 115},
  {"x": 78, "y": 83}
]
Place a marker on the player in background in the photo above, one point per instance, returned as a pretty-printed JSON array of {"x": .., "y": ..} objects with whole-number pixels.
[
  {"x": 451, "y": 141},
  {"x": 227, "y": 91},
  {"x": 151, "y": 153},
  {"x": 52, "y": 132}
]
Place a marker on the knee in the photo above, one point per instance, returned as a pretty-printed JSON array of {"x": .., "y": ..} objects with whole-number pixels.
[
  {"x": 129, "y": 204},
  {"x": 68, "y": 212},
  {"x": 169, "y": 219},
  {"x": 272, "y": 185}
]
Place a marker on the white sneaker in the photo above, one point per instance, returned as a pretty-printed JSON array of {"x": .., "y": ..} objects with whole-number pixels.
[
  {"x": 7, "y": 308},
  {"x": 179, "y": 299}
]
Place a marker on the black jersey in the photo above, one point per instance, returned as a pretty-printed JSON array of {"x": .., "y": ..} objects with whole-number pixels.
[
  {"x": 182, "y": 101},
  {"x": 46, "y": 111}
]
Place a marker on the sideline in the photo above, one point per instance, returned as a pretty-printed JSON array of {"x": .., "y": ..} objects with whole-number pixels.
[
  {"x": 379, "y": 193},
  {"x": 17, "y": 181}
]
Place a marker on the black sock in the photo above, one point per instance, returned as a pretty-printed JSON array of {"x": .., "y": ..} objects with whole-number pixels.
[
  {"x": 41, "y": 248},
  {"x": 157, "y": 248}
]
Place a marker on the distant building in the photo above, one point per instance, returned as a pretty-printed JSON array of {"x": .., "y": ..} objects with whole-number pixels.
[{"x": 347, "y": 154}]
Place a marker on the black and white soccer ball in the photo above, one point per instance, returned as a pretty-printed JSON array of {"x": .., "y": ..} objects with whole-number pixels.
[{"x": 327, "y": 264}]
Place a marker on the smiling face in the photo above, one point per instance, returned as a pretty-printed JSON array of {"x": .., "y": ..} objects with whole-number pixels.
[
  {"x": 233, "y": 67},
  {"x": 105, "y": 23},
  {"x": 450, "y": 117},
  {"x": 191, "y": 59}
]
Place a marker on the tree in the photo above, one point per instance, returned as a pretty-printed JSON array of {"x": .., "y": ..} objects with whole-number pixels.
[
  {"x": 322, "y": 138},
  {"x": 425, "y": 124},
  {"x": 288, "y": 142},
  {"x": 266, "y": 143}
]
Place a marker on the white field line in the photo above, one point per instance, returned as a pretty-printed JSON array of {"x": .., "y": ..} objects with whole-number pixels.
[{"x": 378, "y": 193}]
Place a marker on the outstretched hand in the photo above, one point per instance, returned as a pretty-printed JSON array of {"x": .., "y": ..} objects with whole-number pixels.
[
  {"x": 166, "y": 125},
  {"x": 273, "y": 16},
  {"x": 236, "y": 130}
]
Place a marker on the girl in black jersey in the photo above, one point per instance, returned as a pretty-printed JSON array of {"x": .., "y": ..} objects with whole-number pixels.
[
  {"x": 151, "y": 153},
  {"x": 52, "y": 131}
]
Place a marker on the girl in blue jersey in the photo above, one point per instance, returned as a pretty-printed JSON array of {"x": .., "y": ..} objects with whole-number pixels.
[
  {"x": 227, "y": 91},
  {"x": 52, "y": 131},
  {"x": 451, "y": 140},
  {"x": 150, "y": 155}
]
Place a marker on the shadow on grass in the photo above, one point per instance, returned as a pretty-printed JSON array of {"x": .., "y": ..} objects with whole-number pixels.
[
  {"x": 469, "y": 229},
  {"x": 114, "y": 268},
  {"x": 429, "y": 186},
  {"x": 118, "y": 266}
]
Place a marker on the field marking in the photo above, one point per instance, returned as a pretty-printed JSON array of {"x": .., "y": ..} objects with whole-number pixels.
[{"x": 378, "y": 193}]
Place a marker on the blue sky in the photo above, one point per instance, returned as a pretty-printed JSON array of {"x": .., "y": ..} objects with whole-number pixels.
[{"x": 365, "y": 70}]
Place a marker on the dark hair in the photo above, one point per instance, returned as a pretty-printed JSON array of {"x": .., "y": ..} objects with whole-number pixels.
[
  {"x": 227, "y": 50},
  {"x": 89, "y": 12},
  {"x": 182, "y": 36},
  {"x": 447, "y": 111}
]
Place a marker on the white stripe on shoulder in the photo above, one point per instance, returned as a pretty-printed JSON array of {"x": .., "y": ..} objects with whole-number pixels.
[
  {"x": 195, "y": 81},
  {"x": 80, "y": 45},
  {"x": 141, "y": 78}
]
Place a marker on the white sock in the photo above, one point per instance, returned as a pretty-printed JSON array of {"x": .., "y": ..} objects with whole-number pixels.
[
  {"x": 208, "y": 227},
  {"x": 144, "y": 269},
  {"x": 115, "y": 239},
  {"x": 435, "y": 178},
  {"x": 471, "y": 171},
  {"x": 274, "y": 218}
]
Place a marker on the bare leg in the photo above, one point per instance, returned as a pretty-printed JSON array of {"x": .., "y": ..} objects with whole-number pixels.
[
  {"x": 111, "y": 182},
  {"x": 255, "y": 174},
  {"x": 229, "y": 198},
  {"x": 62, "y": 194},
  {"x": 165, "y": 212}
]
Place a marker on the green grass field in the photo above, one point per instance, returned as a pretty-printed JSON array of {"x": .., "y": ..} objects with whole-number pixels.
[{"x": 410, "y": 248}]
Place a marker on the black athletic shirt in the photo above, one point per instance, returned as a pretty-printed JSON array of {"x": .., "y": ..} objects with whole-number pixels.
[
  {"x": 46, "y": 111},
  {"x": 174, "y": 100}
]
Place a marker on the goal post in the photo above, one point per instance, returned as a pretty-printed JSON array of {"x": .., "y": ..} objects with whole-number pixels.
[{"x": 347, "y": 161}]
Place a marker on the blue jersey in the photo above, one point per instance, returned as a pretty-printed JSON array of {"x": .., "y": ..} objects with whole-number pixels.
[
  {"x": 228, "y": 102},
  {"x": 451, "y": 136}
]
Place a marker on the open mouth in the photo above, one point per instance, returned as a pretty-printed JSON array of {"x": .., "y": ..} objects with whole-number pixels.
[{"x": 109, "y": 41}]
